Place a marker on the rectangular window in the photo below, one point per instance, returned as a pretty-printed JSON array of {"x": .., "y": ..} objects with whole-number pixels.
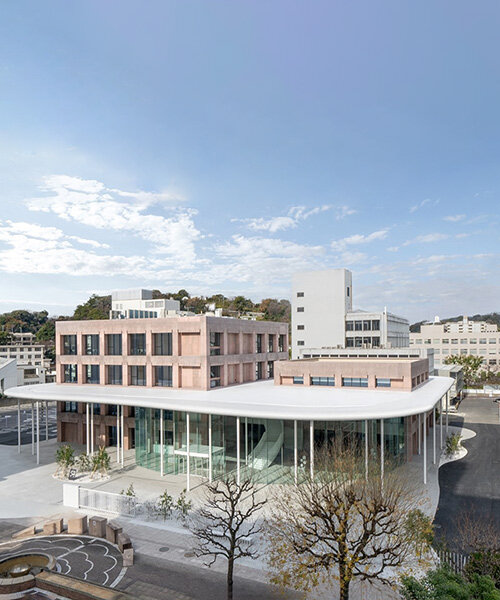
[
  {"x": 137, "y": 375},
  {"x": 259, "y": 370},
  {"x": 454, "y": 341},
  {"x": 163, "y": 376},
  {"x": 97, "y": 409},
  {"x": 300, "y": 327},
  {"x": 355, "y": 381},
  {"x": 112, "y": 410},
  {"x": 300, "y": 294},
  {"x": 298, "y": 380},
  {"x": 113, "y": 342},
  {"x": 300, "y": 309},
  {"x": 463, "y": 340},
  {"x": 258, "y": 343},
  {"x": 281, "y": 343},
  {"x": 445, "y": 341},
  {"x": 492, "y": 341},
  {"x": 114, "y": 375},
  {"x": 71, "y": 407},
  {"x": 270, "y": 369},
  {"x": 349, "y": 326},
  {"x": 300, "y": 343},
  {"x": 463, "y": 351},
  {"x": 349, "y": 342},
  {"x": 375, "y": 342},
  {"x": 69, "y": 345},
  {"x": 137, "y": 344},
  {"x": 270, "y": 342},
  {"x": 482, "y": 340},
  {"x": 214, "y": 376},
  {"x": 322, "y": 380},
  {"x": 471, "y": 341},
  {"x": 358, "y": 325},
  {"x": 70, "y": 374},
  {"x": 376, "y": 325},
  {"x": 91, "y": 373},
  {"x": 162, "y": 344},
  {"x": 367, "y": 325},
  {"x": 91, "y": 344},
  {"x": 382, "y": 382}
]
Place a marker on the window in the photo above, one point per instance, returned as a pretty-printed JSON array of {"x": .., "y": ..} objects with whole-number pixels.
[
  {"x": 473, "y": 341},
  {"x": 355, "y": 381},
  {"x": 349, "y": 343},
  {"x": 259, "y": 370},
  {"x": 137, "y": 344},
  {"x": 258, "y": 343},
  {"x": 96, "y": 409},
  {"x": 114, "y": 374},
  {"x": 492, "y": 340},
  {"x": 482, "y": 340},
  {"x": 91, "y": 344},
  {"x": 112, "y": 410},
  {"x": 71, "y": 407},
  {"x": 322, "y": 380},
  {"x": 281, "y": 343},
  {"x": 349, "y": 326},
  {"x": 463, "y": 350},
  {"x": 454, "y": 341},
  {"x": 300, "y": 309},
  {"x": 137, "y": 375},
  {"x": 376, "y": 325},
  {"x": 358, "y": 325},
  {"x": 382, "y": 382},
  {"x": 300, "y": 327},
  {"x": 113, "y": 343},
  {"x": 214, "y": 376},
  {"x": 375, "y": 342},
  {"x": 445, "y": 341},
  {"x": 162, "y": 344},
  {"x": 270, "y": 369},
  {"x": 69, "y": 344},
  {"x": 300, "y": 294},
  {"x": 367, "y": 325},
  {"x": 215, "y": 343},
  {"x": 300, "y": 343},
  {"x": 270, "y": 342},
  {"x": 463, "y": 340},
  {"x": 163, "y": 376},
  {"x": 70, "y": 374},
  {"x": 427, "y": 341},
  {"x": 91, "y": 373},
  {"x": 348, "y": 290},
  {"x": 298, "y": 380}
]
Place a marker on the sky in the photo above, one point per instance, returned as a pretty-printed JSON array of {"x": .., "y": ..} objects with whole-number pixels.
[{"x": 222, "y": 146}]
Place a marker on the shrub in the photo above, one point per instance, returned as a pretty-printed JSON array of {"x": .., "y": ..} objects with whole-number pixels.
[
  {"x": 420, "y": 529},
  {"x": 65, "y": 459},
  {"x": 130, "y": 492},
  {"x": 452, "y": 444},
  {"x": 165, "y": 505},
  {"x": 183, "y": 505},
  {"x": 484, "y": 562},
  {"x": 101, "y": 461},
  {"x": 84, "y": 463}
]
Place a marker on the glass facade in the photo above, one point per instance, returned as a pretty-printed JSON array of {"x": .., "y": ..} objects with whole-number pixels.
[
  {"x": 68, "y": 345},
  {"x": 92, "y": 374},
  {"x": 137, "y": 344},
  {"x": 114, "y": 375},
  {"x": 137, "y": 375},
  {"x": 163, "y": 376},
  {"x": 70, "y": 374},
  {"x": 113, "y": 344},
  {"x": 162, "y": 344},
  {"x": 91, "y": 344}
]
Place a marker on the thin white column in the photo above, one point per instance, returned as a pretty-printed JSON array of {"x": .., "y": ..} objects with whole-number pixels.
[
  {"x": 117, "y": 433},
  {"x": 419, "y": 435},
  {"x": 122, "y": 431},
  {"x": 18, "y": 426},
  {"x": 87, "y": 426},
  {"x": 295, "y": 452},
  {"x": 447, "y": 405},
  {"x": 434, "y": 435},
  {"x": 382, "y": 458},
  {"x": 238, "y": 450},
  {"x": 425, "y": 450},
  {"x": 188, "y": 466},
  {"x": 162, "y": 466},
  {"x": 441, "y": 423},
  {"x": 91, "y": 428},
  {"x": 366, "y": 449},
  {"x": 246, "y": 441},
  {"x": 32, "y": 429},
  {"x": 311, "y": 449},
  {"x": 38, "y": 433},
  {"x": 210, "y": 447},
  {"x": 46, "y": 420}
]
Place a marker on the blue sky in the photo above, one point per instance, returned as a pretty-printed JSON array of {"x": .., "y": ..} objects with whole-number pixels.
[{"x": 221, "y": 146}]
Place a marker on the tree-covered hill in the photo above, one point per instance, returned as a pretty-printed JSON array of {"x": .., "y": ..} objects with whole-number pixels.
[{"x": 493, "y": 318}]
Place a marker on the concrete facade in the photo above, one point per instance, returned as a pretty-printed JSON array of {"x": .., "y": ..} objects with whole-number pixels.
[
  {"x": 139, "y": 304},
  {"x": 8, "y": 374},
  {"x": 29, "y": 357}
]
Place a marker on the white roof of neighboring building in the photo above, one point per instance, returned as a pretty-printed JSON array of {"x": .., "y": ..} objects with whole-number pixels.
[{"x": 261, "y": 399}]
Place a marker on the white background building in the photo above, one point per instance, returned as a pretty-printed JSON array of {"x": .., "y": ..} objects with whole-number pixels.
[
  {"x": 139, "y": 304},
  {"x": 29, "y": 356},
  {"x": 8, "y": 374}
]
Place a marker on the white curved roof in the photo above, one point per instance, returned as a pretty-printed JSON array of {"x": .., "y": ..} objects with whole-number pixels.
[{"x": 260, "y": 399}]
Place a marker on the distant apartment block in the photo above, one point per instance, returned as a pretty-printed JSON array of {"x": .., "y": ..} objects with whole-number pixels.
[
  {"x": 8, "y": 374},
  {"x": 476, "y": 338},
  {"x": 29, "y": 357},
  {"x": 323, "y": 316},
  {"x": 139, "y": 304}
]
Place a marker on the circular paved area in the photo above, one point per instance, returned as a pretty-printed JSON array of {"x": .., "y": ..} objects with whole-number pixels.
[{"x": 86, "y": 558}]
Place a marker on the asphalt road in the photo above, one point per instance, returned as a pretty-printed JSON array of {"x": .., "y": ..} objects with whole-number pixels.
[
  {"x": 472, "y": 483},
  {"x": 8, "y": 426}
]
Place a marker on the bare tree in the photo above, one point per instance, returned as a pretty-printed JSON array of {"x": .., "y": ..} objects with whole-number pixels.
[
  {"x": 227, "y": 526},
  {"x": 340, "y": 524},
  {"x": 476, "y": 532}
]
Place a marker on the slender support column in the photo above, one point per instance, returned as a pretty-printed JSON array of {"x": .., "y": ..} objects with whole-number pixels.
[
  {"x": 188, "y": 466},
  {"x": 419, "y": 435},
  {"x": 91, "y": 428},
  {"x": 246, "y": 441},
  {"x": 441, "y": 423},
  {"x": 382, "y": 457},
  {"x": 162, "y": 465},
  {"x": 425, "y": 451},
  {"x": 447, "y": 406},
  {"x": 38, "y": 433},
  {"x": 122, "y": 431},
  {"x": 238, "y": 450},
  {"x": 18, "y": 426},
  {"x": 295, "y": 465},
  {"x": 311, "y": 449},
  {"x": 117, "y": 433},
  {"x": 32, "y": 429},
  {"x": 87, "y": 427},
  {"x": 366, "y": 449},
  {"x": 434, "y": 435},
  {"x": 46, "y": 420},
  {"x": 210, "y": 447}
]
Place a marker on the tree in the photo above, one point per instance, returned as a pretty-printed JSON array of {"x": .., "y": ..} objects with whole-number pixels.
[
  {"x": 47, "y": 332},
  {"x": 96, "y": 307},
  {"x": 65, "y": 459},
  {"x": 470, "y": 365},
  {"x": 226, "y": 526},
  {"x": 340, "y": 525},
  {"x": 5, "y": 338},
  {"x": 101, "y": 461}
]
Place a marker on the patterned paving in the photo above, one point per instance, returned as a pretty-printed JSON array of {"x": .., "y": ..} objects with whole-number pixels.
[{"x": 89, "y": 559}]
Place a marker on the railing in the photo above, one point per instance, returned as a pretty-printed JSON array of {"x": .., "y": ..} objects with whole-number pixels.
[
  {"x": 107, "y": 502},
  {"x": 455, "y": 560}
]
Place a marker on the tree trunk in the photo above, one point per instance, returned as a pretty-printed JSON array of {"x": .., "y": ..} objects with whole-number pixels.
[
  {"x": 344, "y": 581},
  {"x": 230, "y": 566}
]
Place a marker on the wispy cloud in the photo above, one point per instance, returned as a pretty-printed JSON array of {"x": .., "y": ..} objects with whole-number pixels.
[
  {"x": 454, "y": 218},
  {"x": 425, "y": 202},
  {"x": 357, "y": 239},
  {"x": 428, "y": 238}
]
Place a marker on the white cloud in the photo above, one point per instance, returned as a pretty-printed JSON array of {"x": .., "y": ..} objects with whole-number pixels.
[
  {"x": 425, "y": 202},
  {"x": 454, "y": 218},
  {"x": 90, "y": 203},
  {"x": 427, "y": 238},
  {"x": 357, "y": 239}
]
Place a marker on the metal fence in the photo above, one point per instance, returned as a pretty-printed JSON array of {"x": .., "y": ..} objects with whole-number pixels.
[
  {"x": 455, "y": 560},
  {"x": 106, "y": 502}
]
